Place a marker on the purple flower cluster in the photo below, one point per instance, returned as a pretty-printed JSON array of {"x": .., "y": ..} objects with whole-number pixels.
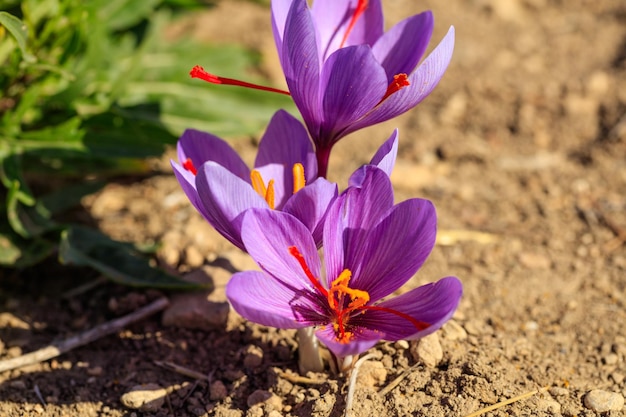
[{"x": 344, "y": 73}]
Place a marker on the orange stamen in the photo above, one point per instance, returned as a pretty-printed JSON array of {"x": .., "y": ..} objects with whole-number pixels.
[
  {"x": 358, "y": 11},
  {"x": 267, "y": 193},
  {"x": 189, "y": 166},
  {"x": 199, "y": 72},
  {"x": 358, "y": 299},
  {"x": 298, "y": 177},
  {"x": 399, "y": 81}
]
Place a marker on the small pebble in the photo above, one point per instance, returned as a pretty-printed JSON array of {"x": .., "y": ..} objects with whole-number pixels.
[
  {"x": 371, "y": 374},
  {"x": 261, "y": 396},
  {"x": 218, "y": 391},
  {"x": 95, "y": 371},
  {"x": 195, "y": 311},
  {"x": 610, "y": 359},
  {"x": 427, "y": 350},
  {"x": 146, "y": 398},
  {"x": 253, "y": 357},
  {"x": 549, "y": 406},
  {"x": 602, "y": 401},
  {"x": 453, "y": 331},
  {"x": 401, "y": 344}
]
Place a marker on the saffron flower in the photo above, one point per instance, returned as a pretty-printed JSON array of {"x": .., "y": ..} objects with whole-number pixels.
[
  {"x": 344, "y": 72},
  {"x": 221, "y": 187},
  {"x": 371, "y": 248}
]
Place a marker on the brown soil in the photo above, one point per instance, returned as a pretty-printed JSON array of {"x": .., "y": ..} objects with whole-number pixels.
[{"x": 524, "y": 140}]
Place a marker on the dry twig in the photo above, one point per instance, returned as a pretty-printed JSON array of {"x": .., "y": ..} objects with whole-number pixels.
[
  {"x": 297, "y": 379},
  {"x": 396, "y": 382},
  {"x": 507, "y": 402},
  {"x": 352, "y": 383},
  {"x": 55, "y": 349},
  {"x": 182, "y": 370}
]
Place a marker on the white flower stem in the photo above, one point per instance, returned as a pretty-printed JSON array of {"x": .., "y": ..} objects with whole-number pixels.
[{"x": 308, "y": 349}]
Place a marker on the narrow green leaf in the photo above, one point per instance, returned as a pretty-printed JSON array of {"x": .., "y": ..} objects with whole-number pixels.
[
  {"x": 121, "y": 262},
  {"x": 18, "y": 29}
]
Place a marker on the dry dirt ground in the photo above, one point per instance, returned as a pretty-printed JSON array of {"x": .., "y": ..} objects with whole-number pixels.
[{"x": 522, "y": 148}]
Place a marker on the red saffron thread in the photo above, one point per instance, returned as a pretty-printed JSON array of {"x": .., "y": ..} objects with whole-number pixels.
[
  {"x": 189, "y": 166},
  {"x": 358, "y": 11},
  {"x": 199, "y": 72}
]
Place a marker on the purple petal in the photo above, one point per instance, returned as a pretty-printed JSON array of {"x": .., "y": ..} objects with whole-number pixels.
[
  {"x": 434, "y": 304},
  {"x": 261, "y": 299},
  {"x": 224, "y": 197},
  {"x": 385, "y": 159},
  {"x": 201, "y": 147},
  {"x": 301, "y": 63},
  {"x": 187, "y": 182},
  {"x": 348, "y": 218},
  {"x": 423, "y": 81},
  {"x": 333, "y": 17},
  {"x": 383, "y": 258},
  {"x": 353, "y": 83},
  {"x": 400, "y": 49},
  {"x": 310, "y": 204},
  {"x": 286, "y": 142},
  {"x": 280, "y": 9},
  {"x": 268, "y": 235},
  {"x": 363, "y": 340}
]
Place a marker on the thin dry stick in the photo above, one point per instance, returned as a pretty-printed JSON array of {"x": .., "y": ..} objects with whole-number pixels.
[
  {"x": 297, "y": 379},
  {"x": 181, "y": 370},
  {"x": 397, "y": 381},
  {"x": 55, "y": 349},
  {"x": 81, "y": 289},
  {"x": 352, "y": 383},
  {"x": 507, "y": 402}
]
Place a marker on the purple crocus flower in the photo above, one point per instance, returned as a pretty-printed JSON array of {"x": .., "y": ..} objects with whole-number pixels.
[
  {"x": 221, "y": 187},
  {"x": 371, "y": 248},
  {"x": 344, "y": 73}
]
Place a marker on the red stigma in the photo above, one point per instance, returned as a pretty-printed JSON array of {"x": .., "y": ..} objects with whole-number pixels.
[
  {"x": 189, "y": 166},
  {"x": 399, "y": 82},
  {"x": 199, "y": 72},
  {"x": 358, "y": 11},
  {"x": 293, "y": 251}
]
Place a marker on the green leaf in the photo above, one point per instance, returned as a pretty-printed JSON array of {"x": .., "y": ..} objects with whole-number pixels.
[
  {"x": 121, "y": 262},
  {"x": 16, "y": 252},
  {"x": 11, "y": 177},
  {"x": 67, "y": 197},
  {"x": 26, "y": 221},
  {"x": 18, "y": 29}
]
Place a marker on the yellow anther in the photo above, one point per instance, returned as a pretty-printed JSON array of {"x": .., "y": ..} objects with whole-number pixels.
[
  {"x": 267, "y": 193},
  {"x": 257, "y": 183},
  {"x": 298, "y": 177}
]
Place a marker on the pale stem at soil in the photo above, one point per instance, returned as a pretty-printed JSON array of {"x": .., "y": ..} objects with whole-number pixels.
[{"x": 309, "y": 352}]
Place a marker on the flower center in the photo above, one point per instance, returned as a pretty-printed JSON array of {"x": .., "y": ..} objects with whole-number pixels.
[
  {"x": 345, "y": 303},
  {"x": 358, "y": 11},
  {"x": 267, "y": 192},
  {"x": 199, "y": 72}
]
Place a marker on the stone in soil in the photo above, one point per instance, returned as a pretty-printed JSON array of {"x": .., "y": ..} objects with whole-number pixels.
[
  {"x": 427, "y": 350},
  {"x": 147, "y": 398},
  {"x": 195, "y": 311},
  {"x": 602, "y": 401}
]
